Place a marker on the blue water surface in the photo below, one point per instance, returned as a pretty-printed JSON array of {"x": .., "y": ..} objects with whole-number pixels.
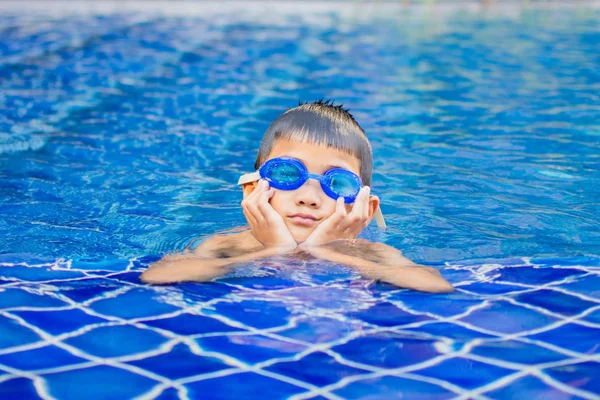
[{"x": 123, "y": 133}]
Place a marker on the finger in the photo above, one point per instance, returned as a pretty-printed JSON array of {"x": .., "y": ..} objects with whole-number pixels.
[
  {"x": 251, "y": 207},
  {"x": 355, "y": 219},
  {"x": 258, "y": 189},
  {"x": 340, "y": 211},
  {"x": 249, "y": 217},
  {"x": 366, "y": 207}
]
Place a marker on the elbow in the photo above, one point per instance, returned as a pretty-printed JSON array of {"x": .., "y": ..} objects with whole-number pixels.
[
  {"x": 156, "y": 276},
  {"x": 439, "y": 287}
]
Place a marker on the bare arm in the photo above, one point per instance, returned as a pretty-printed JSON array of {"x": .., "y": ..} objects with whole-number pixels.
[
  {"x": 207, "y": 261},
  {"x": 393, "y": 267}
]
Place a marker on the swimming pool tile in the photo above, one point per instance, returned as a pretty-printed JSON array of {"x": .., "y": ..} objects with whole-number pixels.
[
  {"x": 536, "y": 276},
  {"x": 593, "y": 317},
  {"x": 586, "y": 285},
  {"x": 168, "y": 394},
  {"x": 572, "y": 337},
  {"x": 17, "y": 297},
  {"x": 318, "y": 368},
  {"x": 320, "y": 329},
  {"x": 387, "y": 314},
  {"x": 101, "y": 382},
  {"x": 40, "y": 358},
  {"x": 388, "y": 350},
  {"x": 135, "y": 303},
  {"x": 179, "y": 363},
  {"x": 35, "y": 274},
  {"x": 190, "y": 324},
  {"x": 456, "y": 333},
  {"x": 517, "y": 352},
  {"x": 255, "y": 313},
  {"x": 59, "y": 322},
  {"x": 115, "y": 341},
  {"x": 86, "y": 289},
  {"x": 391, "y": 387},
  {"x": 529, "y": 387},
  {"x": 242, "y": 386},
  {"x": 492, "y": 288},
  {"x": 15, "y": 334},
  {"x": 442, "y": 305},
  {"x": 18, "y": 388},
  {"x": 578, "y": 375},
  {"x": 504, "y": 317},
  {"x": 250, "y": 349},
  {"x": 558, "y": 302},
  {"x": 465, "y": 373}
]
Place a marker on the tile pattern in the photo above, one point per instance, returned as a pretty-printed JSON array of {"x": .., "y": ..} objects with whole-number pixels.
[{"x": 497, "y": 336}]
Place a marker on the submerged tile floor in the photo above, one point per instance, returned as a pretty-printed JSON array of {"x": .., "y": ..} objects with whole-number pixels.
[{"x": 513, "y": 328}]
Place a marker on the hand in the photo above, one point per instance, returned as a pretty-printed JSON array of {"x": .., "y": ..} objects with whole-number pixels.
[
  {"x": 342, "y": 225},
  {"x": 267, "y": 226}
]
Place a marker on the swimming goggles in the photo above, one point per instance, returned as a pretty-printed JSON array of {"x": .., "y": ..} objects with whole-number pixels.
[{"x": 286, "y": 173}]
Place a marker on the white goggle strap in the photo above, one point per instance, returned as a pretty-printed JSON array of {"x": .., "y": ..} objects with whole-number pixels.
[
  {"x": 247, "y": 178},
  {"x": 254, "y": 176}
]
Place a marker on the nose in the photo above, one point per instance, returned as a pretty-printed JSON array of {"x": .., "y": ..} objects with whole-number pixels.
[{"x": 309, "y": 194}]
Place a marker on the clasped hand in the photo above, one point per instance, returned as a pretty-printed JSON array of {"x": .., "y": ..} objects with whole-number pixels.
[{"x": 269, "y": 227}]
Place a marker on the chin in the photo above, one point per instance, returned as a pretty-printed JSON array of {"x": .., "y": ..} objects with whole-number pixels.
[{"x": 300, "y": 235}]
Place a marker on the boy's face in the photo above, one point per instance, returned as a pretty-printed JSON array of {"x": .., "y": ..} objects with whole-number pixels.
[{"x": 305, "y": 208}]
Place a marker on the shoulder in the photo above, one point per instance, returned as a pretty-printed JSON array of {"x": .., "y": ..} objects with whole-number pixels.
[{"x": 228, "y": 245}]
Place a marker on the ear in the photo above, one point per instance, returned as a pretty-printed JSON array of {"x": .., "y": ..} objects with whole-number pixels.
[
  {"x": 373, "y": 206},
  {"x": 248, "y": 188}
]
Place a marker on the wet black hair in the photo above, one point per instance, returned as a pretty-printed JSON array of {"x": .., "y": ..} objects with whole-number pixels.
[{"x": 320, "y": 122}]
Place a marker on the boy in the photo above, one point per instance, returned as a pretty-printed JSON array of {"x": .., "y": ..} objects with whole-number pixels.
[{"x": 310, "y": 194}]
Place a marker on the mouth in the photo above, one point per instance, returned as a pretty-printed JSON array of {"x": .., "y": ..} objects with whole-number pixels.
[{"x": 303, "y": 219}]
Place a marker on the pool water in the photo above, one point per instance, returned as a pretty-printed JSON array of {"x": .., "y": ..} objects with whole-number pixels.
[{"x": 123, "y": 131}]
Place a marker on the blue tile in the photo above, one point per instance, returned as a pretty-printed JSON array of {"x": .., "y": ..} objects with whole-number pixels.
[
  {"x": 503, "y": 317},
  {"x": 492, "y": 288},
  {"x": 191, "y": 324},
  {"x": 18, "y": 388},
  {"x": 387, "y": 350},
  {"x": 535, "y": 276},
  {"x": 40, "y": 358},
  {"x": 36, "y": 274},
  {"x": 555, "y": 301},
  {"x": 387, "y": 314},
  {"x": 255, "y": 313},
  {"x": 587, "y": 285},
  {"x": 250, "y": 349},
  {"x": 135, "y": 303},
  {"x": 443, "y": 305},
  {"x": 317, "y": 368},
  {"x": 448, "y": 330},
  {"x": 101, "y": 382},
  {"x": 529, "y": 387},
  {"x": 179, "y": 363},
  {"x": 168, "y": 394},
  {"x": 320, "y": 329},
  {"x": 572, "y": 337},
  {"x": 115, "y": 341},
  {"x": 391, "y": 387},
  {"x": 582, "y": 376},
  {"x": 593, "y": 317},
  {"x": 244, "y": 386},
  {"x": 517, "y": 352},
  {"x": 15, "y": 334},
  {"x": 58, "y": 322},
  {"x": 206, "y": 291},
  {"x": 15, "y": 297},
  {"x": 86, "y": 289},
  {"x": 465, "y": 373}
]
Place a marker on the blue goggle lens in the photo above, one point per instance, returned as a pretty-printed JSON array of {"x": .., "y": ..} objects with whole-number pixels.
[
  {"x": 343, "y": 185},
  {"x": 285, "y": 173}
]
